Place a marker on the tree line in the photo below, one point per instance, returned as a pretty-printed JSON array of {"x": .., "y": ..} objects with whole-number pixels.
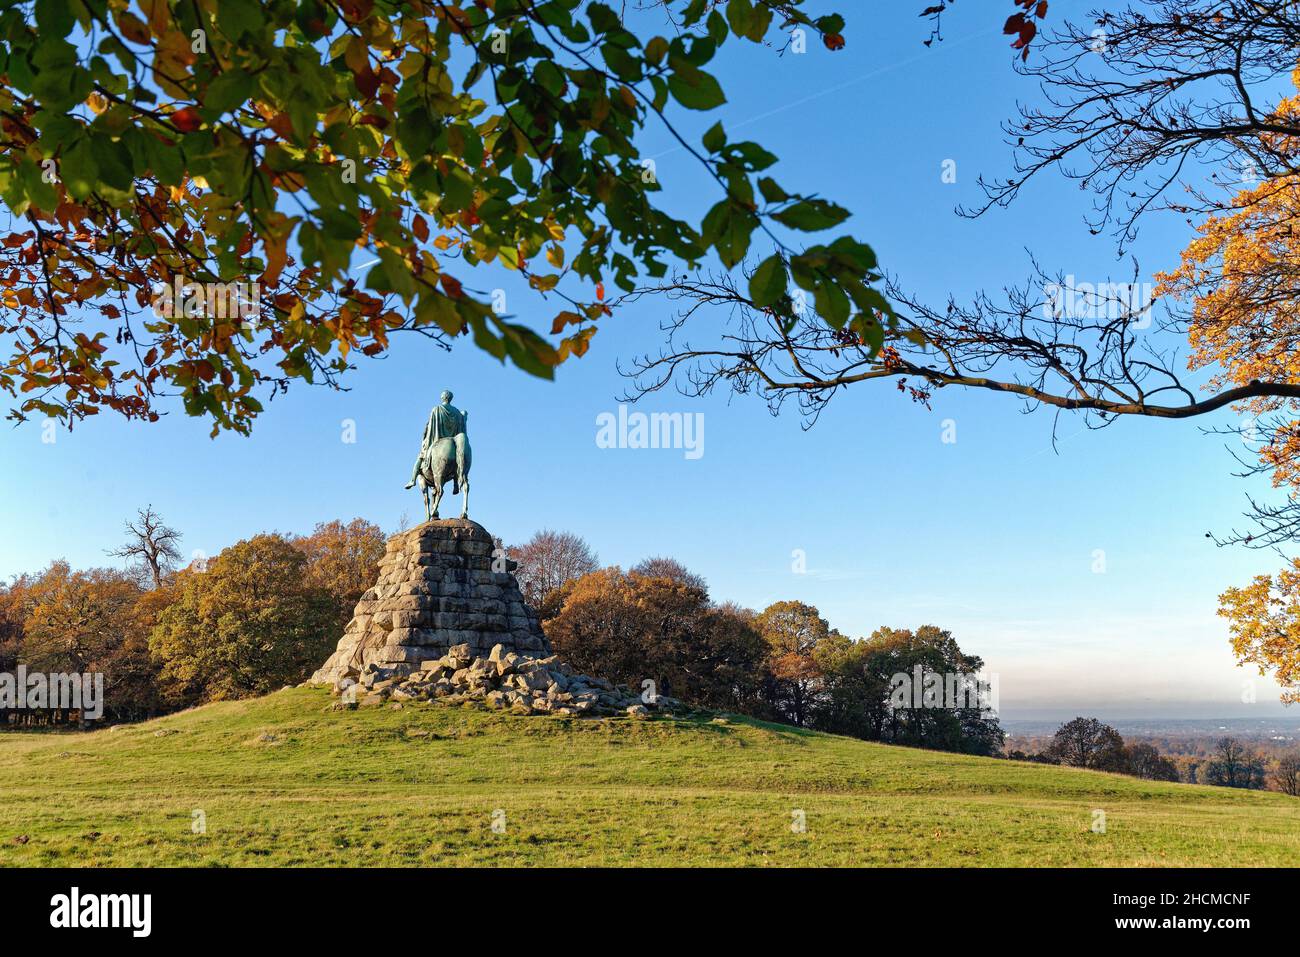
[
  {"x": 261, "y": 614},
  {"x": 266, "y": 611},
  {"x": 657, "y": 622},
  {"x": 1088, "y": 743}
]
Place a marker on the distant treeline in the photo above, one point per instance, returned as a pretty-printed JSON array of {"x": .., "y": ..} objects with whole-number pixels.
[{"x": 1227, "y": 762}]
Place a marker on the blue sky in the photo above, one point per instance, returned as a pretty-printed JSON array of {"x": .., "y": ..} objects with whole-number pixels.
[{"x": 994, "y": 536}]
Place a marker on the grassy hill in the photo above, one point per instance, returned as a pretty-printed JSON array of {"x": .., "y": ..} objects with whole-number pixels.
[{"x": 281, "y": 782}]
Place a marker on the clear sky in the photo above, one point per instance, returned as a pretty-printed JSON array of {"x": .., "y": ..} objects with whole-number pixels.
[{"x": 995, "y": 536}]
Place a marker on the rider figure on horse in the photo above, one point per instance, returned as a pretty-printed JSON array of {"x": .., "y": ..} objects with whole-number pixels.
[{"x": 445, "y": 422}]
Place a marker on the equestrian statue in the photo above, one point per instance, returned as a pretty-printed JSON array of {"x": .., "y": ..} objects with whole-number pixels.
[{"x": 444, "y": 457}]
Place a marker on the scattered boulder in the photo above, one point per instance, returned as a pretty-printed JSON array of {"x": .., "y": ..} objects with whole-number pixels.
[{"x": 505, "y": 680}]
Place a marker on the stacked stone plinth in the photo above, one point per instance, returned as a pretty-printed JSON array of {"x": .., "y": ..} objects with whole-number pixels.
[{"x": 437, "y": 589}]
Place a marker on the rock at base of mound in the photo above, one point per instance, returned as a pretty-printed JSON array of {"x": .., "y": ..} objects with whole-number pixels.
[
  {"x": 441, "y": 585},
  {"x": 504, "y": 680}
]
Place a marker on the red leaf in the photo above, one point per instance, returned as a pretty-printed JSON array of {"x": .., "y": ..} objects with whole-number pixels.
[
  {"x": 367, "y": 82},
  {"x": 187, "y": 120}
]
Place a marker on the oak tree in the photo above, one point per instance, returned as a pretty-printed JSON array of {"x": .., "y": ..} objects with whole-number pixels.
[
  {"x": 631, "y": 628},
  {"x": 1087, "y": 743},
  {"x": 343, "y": 562},
  {"x": 793, "y": 631},
  {"x": 247, "y": 625}
]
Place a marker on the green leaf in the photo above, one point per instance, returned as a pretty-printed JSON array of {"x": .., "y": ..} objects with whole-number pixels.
[
  {"x": 415, "y": 132},
  {"x": 831, "y": 23},
  {"x": 769, "y": 281},
  {"x": 751, "y": 156},
  {"x": 114, "y": 162},
  {"x": 623, "y": 65},
  {"x": 716, "y": 138},
  {"x": 436, "y": 309},
  {"x": 603, "y": 19},
  {"x": 237, "y": 17},
  {"x": 391, "y": 274},
  {"x": 166, "y": 162},
  {"x": 528, "y": 350},
  {"x": 831, "y": 302},
  {"x": 771, "y": 190},
  {"x": 703, "y": 94},
  {"x": 229, "y": 90},
  {"x": 862, "y": 255},
  {"x": 78, "y": 169},
  {"x": 694, "y": 10},
  {"x": 728, "y": 229},
  {"x": 717, "y": 27},
  {"x": 54, "y": 17},
  {"x": 811, "y": 215},
  {"x": 740, "y": 13},
  {"x": 655, "y": 51},
  {"x": 870, "y": 331}
]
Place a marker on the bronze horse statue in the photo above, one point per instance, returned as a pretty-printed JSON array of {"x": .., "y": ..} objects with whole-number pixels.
[
  {"x": 444, "y": 457},
  {"x": 446, "y": 460}
]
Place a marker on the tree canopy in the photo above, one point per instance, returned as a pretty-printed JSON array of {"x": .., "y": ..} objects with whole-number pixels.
[
  {"x": 249, "y": 624},
  {"x": 220, "y": 163}
]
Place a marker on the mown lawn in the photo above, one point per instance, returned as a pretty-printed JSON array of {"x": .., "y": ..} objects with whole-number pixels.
[{"x": 279, "y": 781}]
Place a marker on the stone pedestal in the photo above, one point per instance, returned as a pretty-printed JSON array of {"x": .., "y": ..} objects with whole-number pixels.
[{"x": 436, "y": 589}]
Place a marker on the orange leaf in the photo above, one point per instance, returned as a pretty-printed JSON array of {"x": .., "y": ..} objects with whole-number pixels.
[{"x": 187, "y": 120}]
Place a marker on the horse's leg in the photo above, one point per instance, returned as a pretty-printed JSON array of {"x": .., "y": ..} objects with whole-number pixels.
[
  {"x": 424, "y": 494},
  {"x": 436, "y": 490},
  {"x": 464, "y": 509}
]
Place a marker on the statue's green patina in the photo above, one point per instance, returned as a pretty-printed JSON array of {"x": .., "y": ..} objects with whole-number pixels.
[{"x": 444, "y": 457}]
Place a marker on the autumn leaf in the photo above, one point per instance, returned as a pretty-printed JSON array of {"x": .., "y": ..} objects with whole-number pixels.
[{"x": 187, "y": 120}]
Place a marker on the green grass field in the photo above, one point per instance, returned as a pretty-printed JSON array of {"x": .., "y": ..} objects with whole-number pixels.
[{"x": 282, "y": 782}]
